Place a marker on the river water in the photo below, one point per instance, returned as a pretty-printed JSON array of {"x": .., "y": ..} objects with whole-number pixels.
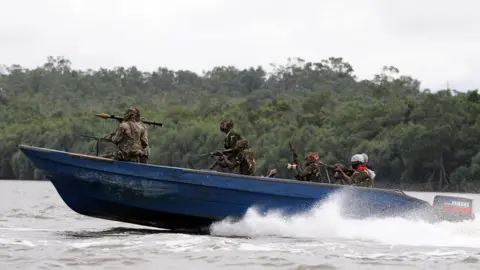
[{"x": 38, "y": 231}]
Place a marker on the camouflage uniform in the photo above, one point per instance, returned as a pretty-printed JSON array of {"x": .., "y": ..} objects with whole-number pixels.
[
  {"x": 146, "y": 150},
  {"x": 358, "y": 175},
  {"x": 244, "y": 159},
  {"x": 361, "y": 175},
  {"x": 129, "y": 138},
  {"x": 311, "y": 171},
  {"x": 231, "y": 139},
  {"x": 361, "y": 178}
]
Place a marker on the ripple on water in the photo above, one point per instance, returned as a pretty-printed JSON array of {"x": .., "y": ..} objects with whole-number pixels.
[
  {"x": 315, "y": 267},
  {"x": 48, "y": 235}
]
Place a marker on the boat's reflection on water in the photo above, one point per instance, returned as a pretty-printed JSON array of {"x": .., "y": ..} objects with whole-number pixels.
[
  {"x": 116, "y": 231},
  {"x": 126, "y": 232}
]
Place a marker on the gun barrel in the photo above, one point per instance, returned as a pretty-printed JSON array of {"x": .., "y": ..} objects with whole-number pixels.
[
  {"x": 326, "y": 165},
  {"x": 93, "y": 137},
  {"x": 88, "y": 136},
  {"x": 216, "y": 153}
]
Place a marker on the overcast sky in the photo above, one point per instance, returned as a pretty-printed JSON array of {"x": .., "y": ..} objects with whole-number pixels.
[{"x": 433, "y": 41}]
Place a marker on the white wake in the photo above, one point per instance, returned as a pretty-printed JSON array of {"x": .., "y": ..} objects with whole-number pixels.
[{"x": 325, "y": 222}]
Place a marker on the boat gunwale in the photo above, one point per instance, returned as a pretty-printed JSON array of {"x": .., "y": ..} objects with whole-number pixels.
[{"x": 210, "y": 172}]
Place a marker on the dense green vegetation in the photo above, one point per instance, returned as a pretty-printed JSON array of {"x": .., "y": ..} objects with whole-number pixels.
[{"x": 415, "y": 139}]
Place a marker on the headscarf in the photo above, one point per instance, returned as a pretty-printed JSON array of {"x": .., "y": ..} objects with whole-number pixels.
[
  {"x": 242, "y": 145},
  {"x": 312, "y": 157},
  {"x": 130, "y": 114},
  {"x": 226, "y": 124}
]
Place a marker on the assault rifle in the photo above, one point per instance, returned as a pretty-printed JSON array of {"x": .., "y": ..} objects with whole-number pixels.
[
  {"x": 294, "y": 153},
  {"x": 217, "y": 154},
  {"x": 120, "y": 119},
  {"x": 295, "y": 158},
  {"x": 98, "y": 139},
  {"x": 327, "y": 166}
]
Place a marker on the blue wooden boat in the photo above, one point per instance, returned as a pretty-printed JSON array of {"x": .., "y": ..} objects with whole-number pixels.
[{"x": 186, "y": 199}]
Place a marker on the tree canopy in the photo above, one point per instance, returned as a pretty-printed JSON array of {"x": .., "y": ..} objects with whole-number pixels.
[{"x": 415, "y": 139}]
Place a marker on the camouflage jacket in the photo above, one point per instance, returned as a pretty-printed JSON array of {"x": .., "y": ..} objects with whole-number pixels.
[
  {"x": 361, "y": 178},
  {"x": 309, "y": 173},
  {"x": 245, "y": 162},
  {"x": 144, "y": 140},
  {"x": 231, "y": 139},
  {"x": 130, "y": 137}
]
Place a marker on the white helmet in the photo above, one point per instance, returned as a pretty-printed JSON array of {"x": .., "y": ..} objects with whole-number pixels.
[
  {"x": 365, "y": 157},
  {"x": 357, "y": 158}
]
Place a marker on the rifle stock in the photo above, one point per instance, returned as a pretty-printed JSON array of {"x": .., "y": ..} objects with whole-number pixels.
[{"x": 120, "y": 119}]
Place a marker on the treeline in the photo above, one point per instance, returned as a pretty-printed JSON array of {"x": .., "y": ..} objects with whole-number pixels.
[{"x": 415, "y": 139}]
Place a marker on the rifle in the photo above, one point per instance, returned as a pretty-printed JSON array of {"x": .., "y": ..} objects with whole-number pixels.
[
  {"x": 120, "y": 119},
  {"x": 295, "y": 158},
  {"x": 98, "y": 139},
  {"x": 346, "y": 170},
  {"x": 294, "y": 153},
  {"x": 216, "y": 154},
  {"x": 326, "y": 165},
  {"x": 332, "y": 167}
]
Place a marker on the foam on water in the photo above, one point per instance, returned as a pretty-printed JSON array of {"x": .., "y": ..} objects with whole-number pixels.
[
  {"x": 325, "y": 222},
  {"x": 67, "y": 240}
]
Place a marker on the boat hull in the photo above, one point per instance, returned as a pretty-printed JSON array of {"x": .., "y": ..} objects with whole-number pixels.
[
  {"x": 185, "y": 199},
  {"x": 96, "y": 200}
]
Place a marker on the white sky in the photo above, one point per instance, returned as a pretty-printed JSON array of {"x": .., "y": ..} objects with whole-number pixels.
[{"x": 433, "y": 41}]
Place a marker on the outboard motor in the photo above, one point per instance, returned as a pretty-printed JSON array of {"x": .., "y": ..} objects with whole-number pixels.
[{"x": 451, "y": 208}]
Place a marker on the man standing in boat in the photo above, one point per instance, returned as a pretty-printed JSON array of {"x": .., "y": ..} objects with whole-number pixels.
[
  {"x": 244, "y": 159},
  {"x": 311, "y": 170},
  {"x": 231, "y": 139},
  {"x": 130, "y": 138}
]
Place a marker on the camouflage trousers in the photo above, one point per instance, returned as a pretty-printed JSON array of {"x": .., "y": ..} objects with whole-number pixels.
[
  {"x": 144, "y": 159},
  {"x": 122, "y": 156}
]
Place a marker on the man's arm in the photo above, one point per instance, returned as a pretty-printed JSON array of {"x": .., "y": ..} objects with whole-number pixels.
[
  {"x": 118, "y": 135},
  {"x": 304, "y": 172},
  {"x": 110, "y": 135},
  {"x": 230, "y": 164},
  {"x": 362, "y": 177},
  {"x": 350, "y": 180}
]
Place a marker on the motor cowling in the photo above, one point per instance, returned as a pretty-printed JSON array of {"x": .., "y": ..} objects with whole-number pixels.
[{"x": 451, "y": 208}]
